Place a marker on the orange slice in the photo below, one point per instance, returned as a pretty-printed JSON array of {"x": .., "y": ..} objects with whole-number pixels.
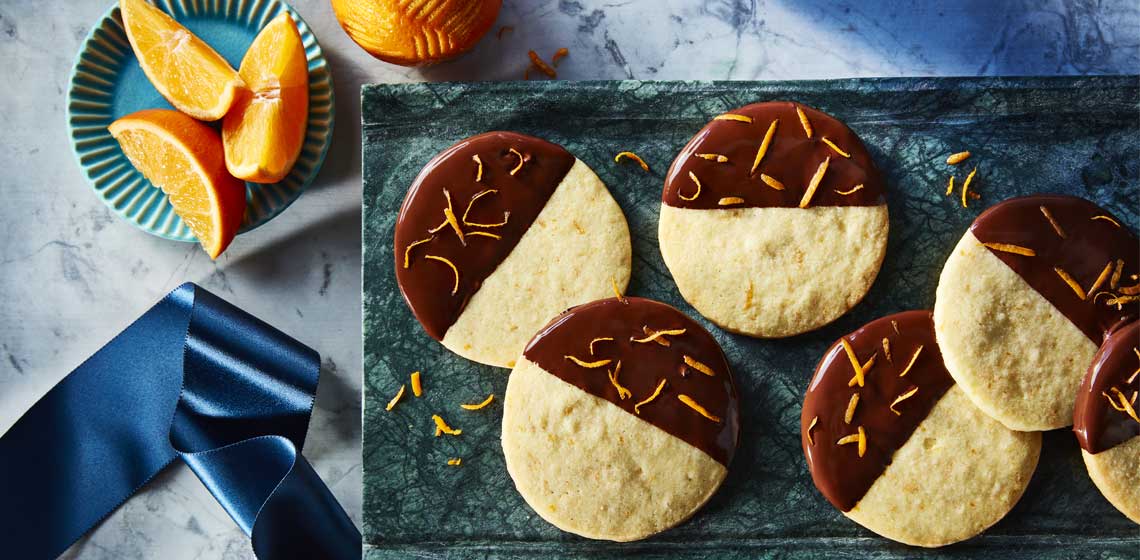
[
  {"x": 185, "y": 70},
  {"x": 184, "y": 158},
  {"x": 419, "y": 32},
  {"x": 264, "y": 131}
]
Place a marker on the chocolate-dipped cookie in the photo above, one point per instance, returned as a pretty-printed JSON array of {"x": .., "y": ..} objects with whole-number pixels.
[
  {"x": 1025, "y": 300},
  {"x": 620, "y": 419},
  {"x": 773, "y": 220},
  {"x": 1106, "y": 423},
  {"x": 498, "y": 234},
  {"x": 894, "y": 444}
]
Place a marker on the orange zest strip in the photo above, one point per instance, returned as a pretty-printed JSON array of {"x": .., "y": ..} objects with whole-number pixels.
[
  {"x": 887, "y": 350},
  {"x": 950, "y": 186},
  {"x": 1049, "y": 216},
  {"x": 851, "y": 404},
  {"x": 689, "y": 361},
  {"x": 854, "y": 361},
  {"x": 657, "y": 334},
  {"x": 966, "y": 187},
  {"x": 480, "y": 405},
  {"x": 689, "y": 402},
  {"x": 1125, "y": 405},
  {"x": 521, "y": 161},
  {"x": 542, "y": 66},
  {"x": 870, "y": 363},
  {"x": 860, "y": 438},
  {"x": 853, "y": 190},
  {"x": 902, "y": 398},
  {"x": 1101, "y": 279},
  {"x": 660, "y": 340},
  {"x": 1072, "y": 283},
  {"x": 1130, "y": 290},
  {"x": 442, "y": 225},
  {"x": 764, "y": 145},
  {"x": 696, "y": 182},
  {"x": 913, "y": 359},
  {"x": 1121, "y": 300},
  {"x": 396, "y": 399},
  {"x": 441, "y": 427},
  {"x": 484, "y": 234},
  {"x": 712, "y": 157},
  {"x": 815, "y": 181},
  {"x": 455, "y": 462},
  {"x": 895, "y": 325},
  {"x": 771, "y": 182},
  {"x": 1114, "y": 282},
  {"x": 623, "y": 393},
  {"x": 1011, "y": 248},
  {"x": 559, "y": 55},
  {"x": 599, "y": 339},
  {"x": 637, "y": 407},
  {"x": 733, "y": 117},
  {"x": 478, "y": 171},
  {"x": 957, "y": 158},
  {"x": 811, "y": 426},
  {"x": 417, "y": 386},
  {"x": 837, "y": 149},
  {"x": 471, "y": 203},
  {"x": 455, "y": 288},
  {"x": 730, "y": 200},
  {"x": 1107, "y": 219},
  {"x": 617, "y": 293},
  {"x": 449, "y": 214},
  {"x": 591, "y": 365},
  {"x": 408, "y": 250},
  {"x": 804, "y": 121},
  {"x": 632, "y": 156}
]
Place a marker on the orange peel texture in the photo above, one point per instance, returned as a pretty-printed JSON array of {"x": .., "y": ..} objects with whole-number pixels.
[{"x": 416, "y": 32}]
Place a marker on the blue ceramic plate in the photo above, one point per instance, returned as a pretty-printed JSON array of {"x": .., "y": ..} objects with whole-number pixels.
[{"x": 107, "y": 83}]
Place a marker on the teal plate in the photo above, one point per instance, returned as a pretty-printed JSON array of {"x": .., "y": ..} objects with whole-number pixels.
[
  {"x": 1028, "y": 135},
  {"x": 107, "y": 83}
]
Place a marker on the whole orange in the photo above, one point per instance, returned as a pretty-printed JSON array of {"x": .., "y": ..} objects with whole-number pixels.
[{"x": 414, "y": 32}]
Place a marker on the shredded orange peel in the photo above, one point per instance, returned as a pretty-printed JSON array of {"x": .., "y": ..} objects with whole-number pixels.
[
  {"x": 417, "y": 386},
  {"x": 617, "y": 293},
  {"x": 804, "y": 121},
  {"x": 590, "y": 365},
  {"x": 656, "y": 334},
  {"x": 1071, "y": 282},
  {"x": 860, "y": 437},
  {"x": 815, "y": 181},
  {"x": 902, "y": 398},
  {"x": 730, "y": 200},
  {"x": 851, "y": 191},
  {"x": 957, "y": 158},
  {"x": 764, "y": 144},
  {"x": 810, "y": 427},
  {"x": 1101, "y": 279},
  {"x": 693, "y": 363},
  {"x": 455, "y": 462},
  {"x": 837, "y": 149},
  {"x": 851, "y": 404},
  {"x": 455, "y": 287},
  {"x": 1053, "y": 222},
  {"x": 521, "y": 159},
  {"x": 1124, "y": 405},
  {"x": 913, "y": 359},
  {"x": 396, "y": 399},
  {"x": 660, "y": 340},
  {"x": 656, "y": 392},
  {"x": 1011, "y": 248},
  {"x": 449, "y": 215},
  {"x": 408, "y": 250},
  {"x": 696, "y": 182},
  {"x": 1107, "y": 219},
  {"x": 484, "y": 234},
  {"x": 689, "y": 402},
  {"x": 599, "y": 339},
  {"x": 887, "y": 349},
  {"x": 478, "y": 171},
  {"x": 854, "y": 361},
  {"x": 633, "y": 157},
  {"x": 441, "y": 427},
  {"x": 542, "y": 66},
  {"x": 623, "y": 393},
  {"x": 479, "y": 405},
  {"x": 559, "y": 55},
  {"x": 733, "y": 117},
  {"x": 772, "y": 182},
  {"x": 950, "y": 186},
  {"x": 966, "y": 187},
  {"x": 471, "y": 204},
  {"x": 712, "y": 157}
]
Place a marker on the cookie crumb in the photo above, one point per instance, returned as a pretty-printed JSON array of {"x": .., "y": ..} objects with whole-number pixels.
[
  {"x": 957, "y": 158},
  {"x": 637, "y": 407},
  {"x": 632, "y": 156},
  {"x": 417, "y": 386},
  {"x": 837, "y": 149},
  {"x": 395, "y": 399},
  {"x": 455, "y": 287},
  {"x": 697, "y": 407},
  {"x": 479, "y": 405},
  {"x": 693, "y": 363},
  {"x": 760, "y": 153}
]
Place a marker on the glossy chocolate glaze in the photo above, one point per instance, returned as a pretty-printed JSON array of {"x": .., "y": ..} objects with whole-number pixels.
[
  {"x": 1099, "y": 426},
  {"x": 837, "y": 470},
  {"x": 792, "y": 158},
  {"x": 1088, "y": 245},
  {"x": 426, "y": 284},
  {"x": 643, "y": 365}
]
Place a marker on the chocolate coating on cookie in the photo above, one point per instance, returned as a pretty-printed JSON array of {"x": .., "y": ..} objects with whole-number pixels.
[
  {"x": 644, "y": 365},
  {"x": 1071, "y": 237},
  {"x": 429, "y": 285},
  {"x": 791, "y": 158},
  {"x": 838, "y": 470},
  {"x": 1101, "y": 419}
]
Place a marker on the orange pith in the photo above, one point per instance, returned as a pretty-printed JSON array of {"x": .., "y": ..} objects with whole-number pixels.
[
  {"x": 184, "y": 158},
  {"x": 193, "y": 77},
  {"x": 264, "y": 131},
  {"x": 412, "y": 32}
]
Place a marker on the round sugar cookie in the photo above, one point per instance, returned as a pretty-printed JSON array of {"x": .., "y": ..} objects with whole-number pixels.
[
  {"x": 1106, "y": 422},
  {"x": 620, "y": 419},
  {"x": 1024, "y": 301},
  {"x": 898, "y": 447},
  {"x": 498, "y": 234},
  {"x": 773, "y": 220}
]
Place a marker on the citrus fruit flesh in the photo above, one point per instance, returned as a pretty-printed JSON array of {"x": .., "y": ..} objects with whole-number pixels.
[
  {"x": 184, "y": 158},
  {"x": 193, "y": 77},
  {"x": 264, "y": 131}
]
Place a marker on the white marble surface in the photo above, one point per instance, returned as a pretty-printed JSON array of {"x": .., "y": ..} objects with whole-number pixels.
[{"x": 72, "y": 275}]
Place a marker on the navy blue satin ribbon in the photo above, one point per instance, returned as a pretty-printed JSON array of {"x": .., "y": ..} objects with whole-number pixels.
[{"x": 193, "y": 378}]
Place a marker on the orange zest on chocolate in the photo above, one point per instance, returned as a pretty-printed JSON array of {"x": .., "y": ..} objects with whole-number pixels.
[
  {"x": 522, "y": 160},
  {"x": 661, "y": 341},
  {"x": 1130, "y": 290},
  {"x": 1049, "y": 216},
  {"x": 1072, "y": 283},
  {"x": 478, "y": 171},
  {"x": 1125, "y": 406},
  {"x": 815, "y": 181},
  {"x": 887, "y": 350},
  {"x": 837, "y": 149},
  {"x": 1011, "y": 248},
  {"x": 408, "y": 250},
  {"x": 656, "y": 392},
  {"x": 854, "y": 361},
  {"x": 733, "y": 117},
  {"x": 417, "y": 386},
  {"x": 913, "y": 359},
  {"x": 479, "y": 405},
  {"x": 689, "y": 361},
  {"x": 632, "y": 156},
  {"x": 870, "y": 363},
  {"x": 764, "y": 146},
  {"x": 471, "y": 203},
  {"x": 712, "y": 157},
  {"x": 851, "y": 404},
  {"x": 957, "y": 158},
  {"x": 559, "y": 55},
  {"x": 860, "y": 438},
  {"x": 902, "y": 398},
  {"x": 654, "y": 335},
  {"x": 689, "y": 402},
  {"x": 591, "y": 365},
  {"x": 484, "y": 234},
  {"x": 617, "y": 292},
  {"x": 1107, "y": 219},
  {"x": 1114, "y": 282},
  {"x": 850, "y": 191},
  {"x": 396, "y": 399},
  {"x": 599, "y": 339},
  {"x": 771, "y": 182},
  {"x": 730, "y": 200},
  {"x": 966, "y": 187},
  {"x": 696, "y": 182},
  {"x": 455, "y": 288},
  {"x": 542, "y": 66},
  {"x": 441, "y": 427},
  {"x": 623, "y": 393},
  {"x": 449, "y": 214},
  {"x": 804, "y": 121},
  {"x": 814, "y": 421},
  {"x": 1100, "y": 280}
]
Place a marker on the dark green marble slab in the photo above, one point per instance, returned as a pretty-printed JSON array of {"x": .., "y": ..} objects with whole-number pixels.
[{"x": 1066, "y": 135}]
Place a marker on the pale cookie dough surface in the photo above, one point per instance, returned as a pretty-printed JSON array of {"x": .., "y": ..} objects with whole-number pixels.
[
  {"x": 590, "y": 468},
  {"x": 774, "y": 272},
  {"x": 1116, "y": 472},
  {"x": 575, "y": 246},
  {"x": 959, "y": 473},
  {"x": 1018, "y": 359}
]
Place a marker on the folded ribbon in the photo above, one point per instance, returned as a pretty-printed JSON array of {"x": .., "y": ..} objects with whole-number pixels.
[{"x": 193, "y": 378}]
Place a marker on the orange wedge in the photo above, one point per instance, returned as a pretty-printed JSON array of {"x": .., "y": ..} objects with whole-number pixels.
[
  {"x": 184, "y": 158},
  {"x": 264, "y": 131},
  {"x": 185, "y": 70}
]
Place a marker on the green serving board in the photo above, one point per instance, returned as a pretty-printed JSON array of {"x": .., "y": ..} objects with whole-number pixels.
[{"x": 1070, "y": 135}]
